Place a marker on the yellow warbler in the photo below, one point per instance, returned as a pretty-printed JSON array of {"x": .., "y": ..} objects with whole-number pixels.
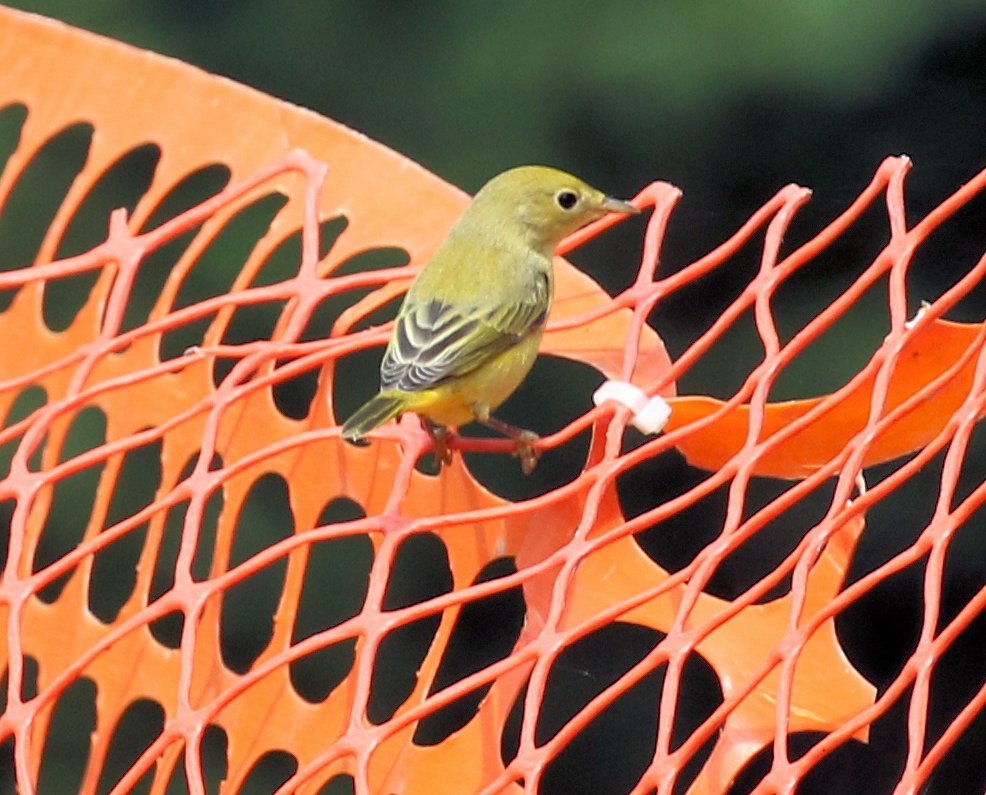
[{"x": 468, "y": 330}]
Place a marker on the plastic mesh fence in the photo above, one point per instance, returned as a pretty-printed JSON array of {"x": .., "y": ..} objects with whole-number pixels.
[{"x": 205, "y": 590}]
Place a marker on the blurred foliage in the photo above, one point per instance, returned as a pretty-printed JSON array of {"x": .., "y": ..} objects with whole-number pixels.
[{"x": 620, "y": 92}]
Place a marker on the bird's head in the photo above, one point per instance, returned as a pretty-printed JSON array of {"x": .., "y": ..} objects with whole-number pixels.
[{"x": 539, "y": 205}]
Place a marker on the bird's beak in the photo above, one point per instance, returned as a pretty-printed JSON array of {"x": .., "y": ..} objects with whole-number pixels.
[{"x": 611, "y": 205}]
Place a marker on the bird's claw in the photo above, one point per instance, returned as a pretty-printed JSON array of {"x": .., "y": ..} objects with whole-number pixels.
[
  {"x": 443, "y": 453},
  {"x": 439, "y": 436},
  {"x": 527, "y": 451}
]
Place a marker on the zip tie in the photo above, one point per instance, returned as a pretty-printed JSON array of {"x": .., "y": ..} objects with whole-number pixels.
[{"x": 650, "y": 414}]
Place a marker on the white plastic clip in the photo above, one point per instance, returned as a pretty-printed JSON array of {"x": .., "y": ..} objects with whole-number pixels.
[{"x": 650, "y": 414}]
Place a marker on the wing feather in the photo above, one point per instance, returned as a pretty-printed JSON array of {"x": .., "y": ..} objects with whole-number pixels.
[{"x": 435, "y": 340}]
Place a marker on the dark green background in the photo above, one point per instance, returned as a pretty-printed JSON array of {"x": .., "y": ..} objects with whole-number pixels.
[{"x": 729, "y": 101}]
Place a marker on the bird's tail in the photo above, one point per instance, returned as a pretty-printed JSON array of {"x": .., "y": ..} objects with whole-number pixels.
[{"x": 375, "y": 412}]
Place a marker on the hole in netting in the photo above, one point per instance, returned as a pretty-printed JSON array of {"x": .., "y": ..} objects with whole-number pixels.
[
  {"x": 215, "y": 269},
  {"x": 684, "y": 315},
  {"x": 965, "y": 560},
  {"x": 86, "y": 432},
  {"x": 29, "y": 689},
  {"x": 962, "y": 767},
  {"x": 36, "y": 197},
  {"x": 965, "y": 571},
  {"x": 122, "y": 185},
  {"x": 249, "y": 323},
  {"x": 8, "y": 782},
  {"x": 840, "y": 351},
  {"x": 12, "y": 119},
  {"x": 947, "y": 255},
  {"x": 674, "y": 543},
  {"x": 293, "y": 396},
  {"x": 973, "y": 471},
  {"x": 66, "y": 745},
  {"x": 539, "y": 405},
  {"x": 613, "y": 257},
  {"x": 337, "y": 575},
  {"x": 268, "y": 773},
  {"x": 72, "y": 499},
  {"x": 342, "y": 784},
  {"x": 213, "y": 272},
  {"x": 355, "y": 379},
  {"x": 247, "y": 618},
  {"x": 214, "y": 756},
  {"x": 167, "y": 629},
  {"x": 213, "y": 759},
  {"x": 284, "y": 261},
  {"x": 190, "y": 191},
  {"x": 378, "y": 317},
  {"x": 6, "y": 517},
  {"x": 207, "y": 530},
  {"x": 362, "y": 365},
  {"x": 613, "y": 750},
  {"x": 25, "y": 404},
  {"x": 420, "y": 572},
  {"x": 733, "y": 355},
  {"x": 208, "y": 525},
  {"x": 855, "y": 247},
  {"x": 956, "y": 680},
  {"x": 114, "y": 569},
  {"x": 11, "y": 122},
  {"x": 879, "y": 630},
  {"x": 842, "y": 770},
  {"x": 327, "y": 311},
  {"x": 155, "y": 268},
  {"x": 29, "y": 683},
  {"x": 484, "y": 633},
  {"x": 960, "y": 669},
  {"x": 837, "y": 354},
  {"x": 175, "y": 343},
  {"x": 140, "y": 725}
]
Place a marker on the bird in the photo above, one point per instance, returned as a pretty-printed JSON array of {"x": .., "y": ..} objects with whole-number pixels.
[{"x": 468, "y": 330}]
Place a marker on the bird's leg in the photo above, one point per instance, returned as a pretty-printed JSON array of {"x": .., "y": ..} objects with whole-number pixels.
[
  {"x": 525, "y": 440},
  {"x": 439, "y": 435}
]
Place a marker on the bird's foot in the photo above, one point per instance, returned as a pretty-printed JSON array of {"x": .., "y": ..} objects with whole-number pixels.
[
  {"x": 439, "y": 436},
  {"x": 527, "y": 451}
]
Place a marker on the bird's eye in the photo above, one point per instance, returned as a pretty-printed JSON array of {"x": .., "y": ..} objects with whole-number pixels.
[{"x": 566, "y": 199}]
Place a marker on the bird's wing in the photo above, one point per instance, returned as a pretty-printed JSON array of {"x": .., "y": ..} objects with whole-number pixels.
[{"x": 434, "y": 340}]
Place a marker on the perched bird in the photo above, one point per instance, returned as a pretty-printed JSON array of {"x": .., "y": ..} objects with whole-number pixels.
[{"x": 468, "y": 330}]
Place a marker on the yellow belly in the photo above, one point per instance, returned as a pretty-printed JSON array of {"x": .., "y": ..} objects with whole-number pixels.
[{"x": 453, "y": 402}]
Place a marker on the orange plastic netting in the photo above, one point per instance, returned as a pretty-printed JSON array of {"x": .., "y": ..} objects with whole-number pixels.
[{"x": 172, "y": 491}]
